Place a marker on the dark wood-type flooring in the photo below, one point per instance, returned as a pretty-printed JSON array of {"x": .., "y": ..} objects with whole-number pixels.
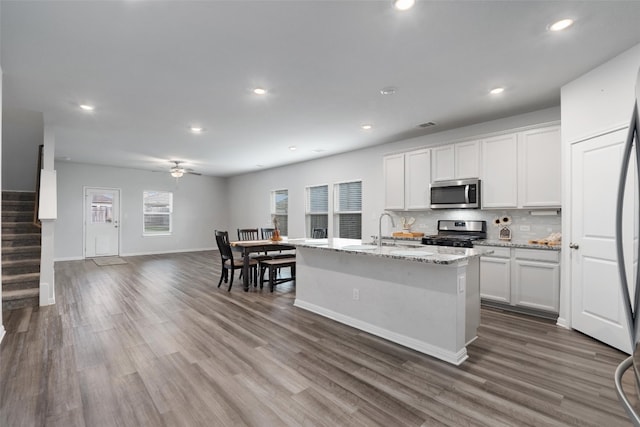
[{"x": 155, "y": 343}]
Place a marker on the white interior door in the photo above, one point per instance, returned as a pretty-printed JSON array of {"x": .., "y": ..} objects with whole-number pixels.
[
  {"x": 102, "y": 222},
  {"x": 597, "y": 305}
]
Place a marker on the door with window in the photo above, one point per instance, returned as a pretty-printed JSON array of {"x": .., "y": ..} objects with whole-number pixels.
[{"x": 102, "y": 222}]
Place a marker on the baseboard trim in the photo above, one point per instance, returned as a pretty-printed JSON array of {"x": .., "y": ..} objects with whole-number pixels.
[
  {"x": 422, "y": 347},
  {"x": 142, "y": 253}
]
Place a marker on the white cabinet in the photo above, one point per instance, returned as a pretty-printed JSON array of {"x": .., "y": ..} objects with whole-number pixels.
[
  {"x": 522, "y": 170},
  {"x": 393, "y": 166},
  {"x": 417, "y": 177},
  {"x": 500, "y": 172},
  {"x": 539, "y": 168},
  {"x": 406, "y": 180},
  {"x": 495, "y": 275},
  {"x": 467, "y": 159},
  {"x": 456, "y": 161},
  {"x": 523, "y": 278}
]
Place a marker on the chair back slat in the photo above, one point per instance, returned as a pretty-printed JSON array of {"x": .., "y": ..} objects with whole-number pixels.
[
  {"x": 247, "y": 234},
  {"x": 222, "y": 240},
  {"x": 319, "y": 233},
  {"x": 267, "y": 233}
]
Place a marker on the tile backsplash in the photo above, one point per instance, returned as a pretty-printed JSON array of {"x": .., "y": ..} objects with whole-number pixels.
[{"x": 524, "y": 226}]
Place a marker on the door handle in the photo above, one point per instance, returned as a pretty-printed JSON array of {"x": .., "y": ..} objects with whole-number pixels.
[{"x": 574, "y": 246}]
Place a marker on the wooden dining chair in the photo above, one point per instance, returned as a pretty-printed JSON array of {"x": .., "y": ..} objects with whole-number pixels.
[
  {"x": 248, "y": 234},
  {"x": 267, "y": 233},
  {"x": 230, "y": 263},
  {"x": 319, "y": 233}
]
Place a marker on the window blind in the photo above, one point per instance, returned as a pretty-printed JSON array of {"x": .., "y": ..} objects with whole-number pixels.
[
  {"x": 157, "y": 210},
  {"x": 317, "y": 208},
  {"x": 349, "y": 209}
]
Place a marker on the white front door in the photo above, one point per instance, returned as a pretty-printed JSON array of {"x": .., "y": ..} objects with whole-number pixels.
[
  {"x": 102, "y": 222},
  {"x": 597, "y": 304}
]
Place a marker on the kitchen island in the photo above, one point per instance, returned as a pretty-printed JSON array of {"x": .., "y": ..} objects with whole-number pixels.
[{"x": 425, "y": 298}]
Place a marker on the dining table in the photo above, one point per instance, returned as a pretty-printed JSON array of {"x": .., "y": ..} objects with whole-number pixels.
[{"x": 247, "y": 247}]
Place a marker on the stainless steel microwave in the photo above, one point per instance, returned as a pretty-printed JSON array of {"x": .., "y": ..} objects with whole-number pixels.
[{"x": 456, "y": 194}]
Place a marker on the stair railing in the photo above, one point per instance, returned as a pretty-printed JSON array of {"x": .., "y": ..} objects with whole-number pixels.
[{"x": 36, "y": 205}]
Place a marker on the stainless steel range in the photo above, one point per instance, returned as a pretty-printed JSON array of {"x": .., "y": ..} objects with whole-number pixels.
[{"x": 458, "y": 233}]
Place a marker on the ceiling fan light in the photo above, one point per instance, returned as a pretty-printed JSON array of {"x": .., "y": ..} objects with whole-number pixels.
[{"x": 177, "y": 172}]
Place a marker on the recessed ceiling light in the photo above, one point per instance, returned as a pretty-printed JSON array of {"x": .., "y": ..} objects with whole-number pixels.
[
  {"x": 403, "y": 4},
  {"x": 87, "y": 107},
  {"x": 196, "y": 129},
  {"x": 292, "y": 148},
  {"x": 496, "y": 90},
  {"x": 563, "y": 24},
  {"x": 260, "y": 91},
  {"x": 389, "y": 90},
  {"x": 366, "y": 126}
]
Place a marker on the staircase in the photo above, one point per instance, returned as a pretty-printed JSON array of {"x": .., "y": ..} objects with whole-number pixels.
[{"x": 20, "y": 251}]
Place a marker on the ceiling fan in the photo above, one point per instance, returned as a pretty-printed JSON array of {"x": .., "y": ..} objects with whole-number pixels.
[{"x": 178, "y": 171}]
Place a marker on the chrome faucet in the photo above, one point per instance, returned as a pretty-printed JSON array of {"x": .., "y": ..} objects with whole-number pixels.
[{"x": 393, "y": 224}]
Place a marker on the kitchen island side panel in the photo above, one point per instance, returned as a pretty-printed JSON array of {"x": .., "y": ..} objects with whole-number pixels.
[{"x": 423, "y": 306}]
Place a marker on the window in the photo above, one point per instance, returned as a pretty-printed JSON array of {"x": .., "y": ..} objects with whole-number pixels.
[
  {"x": 348, "y": 209},
  {"x": 280, "y": 210},
  {"x": 157, "y": 210},
  {"x": 317, "y": 209}
]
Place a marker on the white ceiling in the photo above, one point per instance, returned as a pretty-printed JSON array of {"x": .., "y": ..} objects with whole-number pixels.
[{"x": 152, "y": 68}]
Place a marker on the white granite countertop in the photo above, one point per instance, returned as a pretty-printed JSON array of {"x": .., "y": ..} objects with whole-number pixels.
[
  {"x": 506, "y": 244},
  {"x": 501, "y": 243},
  {"x": 424, "y": 254}
]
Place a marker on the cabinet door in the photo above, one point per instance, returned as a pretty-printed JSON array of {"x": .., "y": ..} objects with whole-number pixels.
[
  {"x": 539, "y": 168},
  {"x": 495, "y": 279},
  {"x": 537, "y": 285},
  {"x": 442, "y": 166},
  {"x": 500, "y": 172},
  {"x": 417, "y": 179},
  {"x": 394, "y": 181},
  {"x": 467, "y": 160}
]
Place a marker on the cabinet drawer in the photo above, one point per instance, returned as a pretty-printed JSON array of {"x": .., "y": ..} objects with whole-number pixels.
[
  {"x": 498, "y": 251},
  {"x": 538, "y": 254}
]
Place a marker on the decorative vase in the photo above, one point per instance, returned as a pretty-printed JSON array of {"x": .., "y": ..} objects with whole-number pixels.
[{"x": 276, "y": 235}]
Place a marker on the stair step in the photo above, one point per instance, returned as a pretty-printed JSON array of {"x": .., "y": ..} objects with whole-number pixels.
[
  {"x": 20, "y": 298},
  {"x": 17, "y": 216},
  {"x": 20, "y": 239},
  {"x": 17, "y": 206},
  {"x": 18, "y": 195},
  {"x": 13, "y": 227},
  {"x": 20, "y": 278},
  {"x": 20, "y": 266},
  {"x": 21, "y": 252}
]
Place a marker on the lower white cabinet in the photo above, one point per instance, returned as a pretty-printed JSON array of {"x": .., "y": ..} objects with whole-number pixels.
[
  {"x": 518, "y": 277},
  {"x": 495, "y": 275}
]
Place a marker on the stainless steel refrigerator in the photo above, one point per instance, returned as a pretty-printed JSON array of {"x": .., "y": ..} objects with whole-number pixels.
[{"x": 631, "y": 302}]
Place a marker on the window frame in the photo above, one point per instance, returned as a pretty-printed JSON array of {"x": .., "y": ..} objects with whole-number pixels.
[
  {"x": 274, "y": 213},
  {"x": 337, "y": 212},
  {"x": 309, "y": 213},
  {"x": 146, "y": 233}
]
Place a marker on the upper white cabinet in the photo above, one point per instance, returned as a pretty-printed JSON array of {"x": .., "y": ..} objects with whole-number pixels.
[
  {"x": 500, "y": 172},
  {"x": 456, "y": 161},
  {"x": 522, "y": 170},
  {"x": 442, "y": 163},
  {"x": 393, "y": 166},
  {"x": 467, "y": 159},
  {"x": 539, "y": 168},
  {"x": 406, "y": 180}
]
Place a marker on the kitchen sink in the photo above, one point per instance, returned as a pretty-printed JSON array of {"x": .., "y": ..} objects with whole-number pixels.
[{"x": 408, "y": 252}]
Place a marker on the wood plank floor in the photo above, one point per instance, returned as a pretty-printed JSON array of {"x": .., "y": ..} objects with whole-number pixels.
[{"x": 155, "y": 343}]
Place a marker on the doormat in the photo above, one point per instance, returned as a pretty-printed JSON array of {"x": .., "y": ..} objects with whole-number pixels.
[{"x": 109, "y": 260}]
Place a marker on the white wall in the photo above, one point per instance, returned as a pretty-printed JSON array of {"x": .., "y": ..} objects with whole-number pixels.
[
  {"x": 249, "y": 206},
  {"x": 22, "y": 133},
  {"x": 200, "y": 206},
  {"x": 600, "y": 101}
]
